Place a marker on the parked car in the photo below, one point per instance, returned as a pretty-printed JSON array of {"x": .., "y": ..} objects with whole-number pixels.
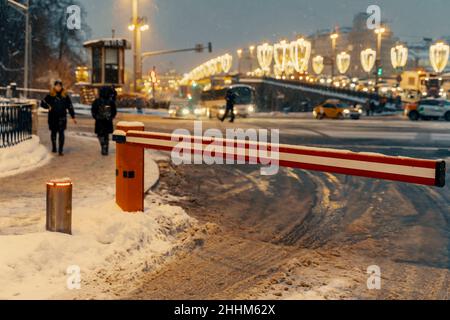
[
  {"x": 336, "y": 109},
  {"x": 428, "y": 109}
]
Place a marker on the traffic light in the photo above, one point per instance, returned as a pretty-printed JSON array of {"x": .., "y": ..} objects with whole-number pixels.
[{"x": 380, "y": 71}]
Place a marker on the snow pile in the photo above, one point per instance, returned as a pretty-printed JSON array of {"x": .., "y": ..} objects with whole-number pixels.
[
  {"x": 34, "y": 266},
  {"x": 25, "y": 156}
]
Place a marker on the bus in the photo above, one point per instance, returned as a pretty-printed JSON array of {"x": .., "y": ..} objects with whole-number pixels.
[{"x": 214, "y": 104}]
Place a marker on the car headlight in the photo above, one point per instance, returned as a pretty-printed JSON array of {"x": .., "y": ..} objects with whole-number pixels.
[
  {"x": 346, "y": 111},
  {"x": 198, "y": 111},
  {"x": 314, "y": 113},
  {"x": 360, "y": 111},
  {"x": 251, "y": 109},
  {"x": 222, "y": 112},
  {"x": 185, "y": 112}
]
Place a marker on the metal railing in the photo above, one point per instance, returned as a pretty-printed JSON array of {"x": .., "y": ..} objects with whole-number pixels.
[{"x": 15, "y": 123}]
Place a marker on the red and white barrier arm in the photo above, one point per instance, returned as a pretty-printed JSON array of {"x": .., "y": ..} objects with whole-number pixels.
[{"x": 410, "y": 170}]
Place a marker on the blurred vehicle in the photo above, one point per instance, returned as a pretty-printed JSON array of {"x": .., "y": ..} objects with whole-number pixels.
[
  {"x": 132, "y": 100},
  {"x": 185, "y": 109},
  {"x": 336, "y": 109},
  {"x": 428, "y": 109},
  {"x": 213, "y": 101}
]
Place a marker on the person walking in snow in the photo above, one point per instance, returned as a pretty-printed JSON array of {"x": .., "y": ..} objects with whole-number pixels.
[
  {"x": 231, "y": 100},
  {"x": 58, "y": 104},
  {"x": 104, "y": 111}
]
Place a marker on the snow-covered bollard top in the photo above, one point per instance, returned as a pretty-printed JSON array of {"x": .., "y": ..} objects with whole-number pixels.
[{"x": 129, "y": 124}]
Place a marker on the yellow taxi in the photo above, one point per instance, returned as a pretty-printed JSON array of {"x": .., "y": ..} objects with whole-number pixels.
[{"x": 336, "y": 109}]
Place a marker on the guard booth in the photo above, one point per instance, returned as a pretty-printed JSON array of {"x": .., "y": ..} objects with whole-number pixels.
[{"x": 106, "y": 67}]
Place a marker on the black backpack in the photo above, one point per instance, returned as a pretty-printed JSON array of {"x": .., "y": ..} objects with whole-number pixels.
[{"x": 104, "y": 111}]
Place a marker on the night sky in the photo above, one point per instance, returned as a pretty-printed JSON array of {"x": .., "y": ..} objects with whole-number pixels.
[{"x": 231, "y": 24}]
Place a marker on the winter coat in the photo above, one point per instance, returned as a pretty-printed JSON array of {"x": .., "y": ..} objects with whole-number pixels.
[
  {"x": 58, "y": 105},
  {"x": 230, "y": 99},
  {"x": 104, "y": 111}
]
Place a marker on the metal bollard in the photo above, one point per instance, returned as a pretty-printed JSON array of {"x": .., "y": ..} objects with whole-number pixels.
[{"x": 59, "y": 206}]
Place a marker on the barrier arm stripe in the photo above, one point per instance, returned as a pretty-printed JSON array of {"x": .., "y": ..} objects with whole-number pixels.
[{"x": 410, "y": 170}]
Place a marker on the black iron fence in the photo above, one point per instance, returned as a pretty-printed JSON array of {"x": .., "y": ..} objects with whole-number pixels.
[{"x": 15, "y": 123}]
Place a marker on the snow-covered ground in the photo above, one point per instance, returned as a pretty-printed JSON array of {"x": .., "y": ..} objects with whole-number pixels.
[
  {"x": 25, "y": 156},
  {"x": 106, "y": 243},
  {"x": 86, "y": 110},
  {"x": 35, "y": 265}
]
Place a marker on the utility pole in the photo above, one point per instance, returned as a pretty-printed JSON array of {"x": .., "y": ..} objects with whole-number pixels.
[
  {"x": 136, "y": 45},
  {"x": 138, "y": 24}
]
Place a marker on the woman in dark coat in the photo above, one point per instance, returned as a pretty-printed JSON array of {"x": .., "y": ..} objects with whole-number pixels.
[
  {"x": 58, "y": 103},
  {"x": 104, "y": 111}
]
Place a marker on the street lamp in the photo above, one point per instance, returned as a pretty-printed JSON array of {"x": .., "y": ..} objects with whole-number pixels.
[
  {"x": 265, "y": 56},
  {"x": 439, "y": 54},
  {"x": 399, "y": 58},
  {"x": 300, "y": 51},
  {"x": 251, "y": 49},
  {"x": 239, "y": 54},
  {"x": 137, "y": 25},
  {"x": 379, "y": 32},
  {"x": 25, "y": 10},
  {"x": 281, "y": 55},
  {"x": 343, "y": 62},
  {"x": 333, "y": 38},
  {"x": 317, "y": 64}
]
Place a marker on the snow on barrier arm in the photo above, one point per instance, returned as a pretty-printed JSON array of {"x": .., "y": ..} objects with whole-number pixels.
[{"x": 371, "y": 165}]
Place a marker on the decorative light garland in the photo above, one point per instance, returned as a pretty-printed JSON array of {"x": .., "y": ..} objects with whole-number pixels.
[
  {"x": 343, "y": 62},
  {"x": 300, "y": 52},
  {"x": 281, "y": 55},
  {"x": 439, "y": 53},
  {"x": 317, "y": 64},
  {"x": 399, "y": 56},
  {"x": 368, "y": 58},
  {"x": 264, "y": 54}
]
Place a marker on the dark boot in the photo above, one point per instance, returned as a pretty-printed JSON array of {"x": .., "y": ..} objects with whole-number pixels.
[
  {"x": 61, "y": 142},
  {"x": 104, "y": 142},
  {"x": 53, "y": 139}
]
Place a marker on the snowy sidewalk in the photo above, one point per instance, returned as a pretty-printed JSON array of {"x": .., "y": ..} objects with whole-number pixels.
[{"x": 34, "y": 263}]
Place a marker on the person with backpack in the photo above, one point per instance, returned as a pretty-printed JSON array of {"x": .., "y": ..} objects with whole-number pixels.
[
  {"x": 104, "y": 111},
  {"x": 58, "y": 103}
]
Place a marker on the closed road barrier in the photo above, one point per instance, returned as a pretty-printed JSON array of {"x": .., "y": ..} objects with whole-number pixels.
[{"x": 219, "y": 150}]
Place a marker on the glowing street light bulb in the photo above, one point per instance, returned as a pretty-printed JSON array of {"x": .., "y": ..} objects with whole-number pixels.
[{"x": 144, "y": 27}]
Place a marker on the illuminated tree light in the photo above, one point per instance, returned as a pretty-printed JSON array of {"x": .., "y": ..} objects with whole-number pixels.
[
  {"x": 317, "y": 64},
  {"x": 439, "y": 53},
  {"x": 368, "y": 58},
  {"x": 343, "y": 62}
]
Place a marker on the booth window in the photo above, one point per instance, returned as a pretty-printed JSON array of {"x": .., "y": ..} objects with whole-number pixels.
[
  {"x": 111, "y": 65},
  {"x": 96, "y": 65}
]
